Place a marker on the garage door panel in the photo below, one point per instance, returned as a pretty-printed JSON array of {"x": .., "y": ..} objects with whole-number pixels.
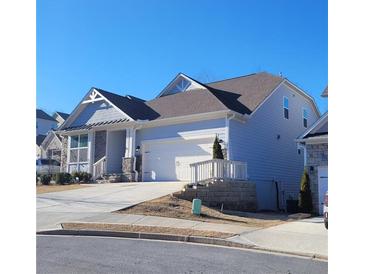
[
  {"x": 170, "y": 161},
  {"x": 322, "y": 186}
]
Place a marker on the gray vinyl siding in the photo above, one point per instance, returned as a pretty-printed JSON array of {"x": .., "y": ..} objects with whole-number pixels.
[
  {"x": 269, "y": 158},
  {"x": 216, "y": 126},
  {"x": 97, "y": 112}
]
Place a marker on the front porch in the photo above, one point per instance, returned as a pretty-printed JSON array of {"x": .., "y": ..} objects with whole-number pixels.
[{"x": 102, "y": 152}]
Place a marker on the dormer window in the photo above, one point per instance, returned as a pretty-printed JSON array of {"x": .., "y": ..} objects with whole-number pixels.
[
  {"x": 286, "y": 107},
  {"x": 181, "y": 86}
]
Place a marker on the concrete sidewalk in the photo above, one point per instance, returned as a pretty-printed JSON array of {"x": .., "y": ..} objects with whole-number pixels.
[
  {"x": 302, "y": 236},
  {"x": 142, "y": 220},
  {"x": 307, "y": 236}
]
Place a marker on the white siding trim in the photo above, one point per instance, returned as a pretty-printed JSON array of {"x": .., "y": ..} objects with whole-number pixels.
[{"x": 174, "y": 80}]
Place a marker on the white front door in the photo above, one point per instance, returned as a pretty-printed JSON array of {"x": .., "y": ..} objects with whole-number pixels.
[
  {"x": 322, "y": 185},
  {"x": 170, "y": 160}
]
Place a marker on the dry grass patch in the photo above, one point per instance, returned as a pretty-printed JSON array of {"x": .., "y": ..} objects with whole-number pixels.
[
  {"x": 56, "y": 188},
  {"x": 172, "y": 207},
  {"x": 146, "y": 229}
]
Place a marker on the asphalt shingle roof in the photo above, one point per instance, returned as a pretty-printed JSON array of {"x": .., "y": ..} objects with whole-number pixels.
[
  {"x": 39, "y": 139},
  {"x": 241, "y": 94},
  {"x": 63, "y": 115},
  {"x": 42, "y": 115},
  {"x": 244, "y": 94},
  {"x": 132, "y": 106}
]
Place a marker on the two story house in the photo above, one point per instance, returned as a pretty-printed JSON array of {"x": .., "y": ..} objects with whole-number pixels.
[{"x": 256, "y": 117}]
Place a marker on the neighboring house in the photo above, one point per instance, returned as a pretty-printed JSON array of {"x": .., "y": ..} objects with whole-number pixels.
[
  {"x": 44, "y": 122},
  {"x": 314, "y": 142},
  {"x": 39, "y": 140},
  {"x": 51, "y": 146},
  {"x": 60, "y": 117},
  {"x": 256, "y": 117}
]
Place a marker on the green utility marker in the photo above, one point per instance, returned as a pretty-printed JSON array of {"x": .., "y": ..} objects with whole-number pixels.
[{"x": 196, "y": 206}]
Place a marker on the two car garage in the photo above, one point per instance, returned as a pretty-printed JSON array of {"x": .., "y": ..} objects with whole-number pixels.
[{"x": 170, "y": 159}]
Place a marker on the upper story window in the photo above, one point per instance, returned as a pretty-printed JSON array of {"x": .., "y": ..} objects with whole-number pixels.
[
  {"x": 305, "y": 117},
  {"x": 286, "y": 107}
]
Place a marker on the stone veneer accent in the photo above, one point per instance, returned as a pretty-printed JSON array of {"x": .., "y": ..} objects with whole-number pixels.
[
  {"x": 234, "y": 195},
  {"x": 317, "y": 155},
  {"x": 128, "y": 174},
  {"x": 64, "y": 148}
]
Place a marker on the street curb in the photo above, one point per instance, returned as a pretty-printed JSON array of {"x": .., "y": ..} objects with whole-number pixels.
[{"x": 175, "y": 238}]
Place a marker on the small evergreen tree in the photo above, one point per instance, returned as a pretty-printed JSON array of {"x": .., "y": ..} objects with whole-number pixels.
[
  {"x": 217, "y": 149},
  {"x": 305, "y": 196}
]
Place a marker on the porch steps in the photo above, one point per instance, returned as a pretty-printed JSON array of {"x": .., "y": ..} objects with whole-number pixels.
[{"x": 109, "y": 178}]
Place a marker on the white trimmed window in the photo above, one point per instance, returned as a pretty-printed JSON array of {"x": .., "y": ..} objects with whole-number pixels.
[
  {"x": 78, "y": 154},
  {"x": 305, "y": 117},
  {"x": 286, "y": 107}
]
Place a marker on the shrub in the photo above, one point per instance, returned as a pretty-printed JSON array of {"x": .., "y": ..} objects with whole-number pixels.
[
  {"x": 76, "y": 176},
  {"x": 85, "y": 177},
  {"x": 45, "y": 179},
  {"x": 81, "y": 176},
  {"x": 305, "y": 195},
  {"x": 63, "y": 178},
  {"x": 217, "y": 149}
]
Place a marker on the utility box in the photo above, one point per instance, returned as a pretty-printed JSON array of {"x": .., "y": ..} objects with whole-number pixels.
[{"x": 196, "y": 206}]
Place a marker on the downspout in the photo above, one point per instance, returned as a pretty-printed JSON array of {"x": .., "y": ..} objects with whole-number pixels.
[{"x": 134, "y": 153}]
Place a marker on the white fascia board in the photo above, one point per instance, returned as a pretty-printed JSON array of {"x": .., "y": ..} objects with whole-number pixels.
[
  {"x": 303, "y": 93},
  {"x": 174, "y": 80},
  {"x": 184, "y": 119},
  {"x": 319, "y": 122}
]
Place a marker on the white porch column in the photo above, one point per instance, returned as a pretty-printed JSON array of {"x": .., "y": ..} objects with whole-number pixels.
[
  {"x": 130, "y": 143},
  {"x": 91, "y": 145}
]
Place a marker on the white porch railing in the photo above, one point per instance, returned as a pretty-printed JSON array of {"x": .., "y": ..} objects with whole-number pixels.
[
  {"x": 99, "y": 168},
  {"x": 218, "y": 169}
]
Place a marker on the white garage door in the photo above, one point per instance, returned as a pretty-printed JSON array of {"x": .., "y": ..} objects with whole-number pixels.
[
  {"x": 322, "y": 185},
  {"x": 170, "y": 160}
]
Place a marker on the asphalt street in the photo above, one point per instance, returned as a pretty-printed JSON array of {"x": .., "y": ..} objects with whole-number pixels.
[{"x": 80, "y": 254}]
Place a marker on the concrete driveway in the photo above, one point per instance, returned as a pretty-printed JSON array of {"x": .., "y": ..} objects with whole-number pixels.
[{"x": 73, "y": 205}]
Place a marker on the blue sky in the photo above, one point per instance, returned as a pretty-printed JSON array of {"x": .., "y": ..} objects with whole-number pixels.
[{"x": 137, "y": 47}]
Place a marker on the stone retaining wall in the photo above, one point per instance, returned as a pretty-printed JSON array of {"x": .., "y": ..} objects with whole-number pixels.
[{"x": 234, "y": 195}]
